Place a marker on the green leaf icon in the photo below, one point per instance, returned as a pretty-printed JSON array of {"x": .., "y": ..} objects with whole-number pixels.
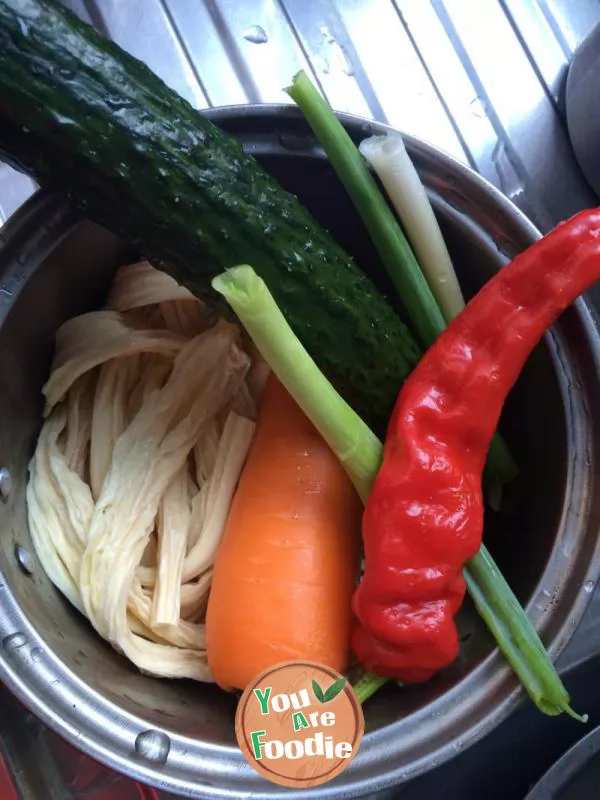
[
  {"x": 318, "y": 691},
  {"x": 334, "y": 690}
]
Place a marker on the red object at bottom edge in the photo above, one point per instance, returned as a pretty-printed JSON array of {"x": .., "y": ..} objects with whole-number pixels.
[{"x": 7, "y": 789}]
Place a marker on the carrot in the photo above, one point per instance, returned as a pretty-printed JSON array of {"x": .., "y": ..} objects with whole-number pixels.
[{"x": 287, "y": 565}]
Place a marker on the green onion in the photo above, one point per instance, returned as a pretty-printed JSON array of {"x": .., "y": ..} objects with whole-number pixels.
[
  {"x": 361, "y": 452},
  {"x": 388, "y": 238},
  {"x": 522, "y": 647},
  {"x": 383, "y": 228},
  {"x": 388, "y": 158},
  {"x": 353, "y": 442}
]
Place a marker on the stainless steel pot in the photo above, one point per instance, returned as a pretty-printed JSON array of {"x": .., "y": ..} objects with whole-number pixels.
[
  {"x": 180, "y": 735},
  {"x": 575, "y": 775}
]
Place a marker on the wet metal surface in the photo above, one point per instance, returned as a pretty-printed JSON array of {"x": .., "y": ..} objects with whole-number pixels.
[{"x": 481, "y": 80}]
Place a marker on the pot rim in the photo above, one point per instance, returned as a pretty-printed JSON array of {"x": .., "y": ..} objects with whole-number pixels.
[
  {"x": 566, "y": 768},
  {"x": 473, "y": 707}
]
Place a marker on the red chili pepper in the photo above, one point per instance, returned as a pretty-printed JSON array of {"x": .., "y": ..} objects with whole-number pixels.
[{"x": 424, "y": 517}]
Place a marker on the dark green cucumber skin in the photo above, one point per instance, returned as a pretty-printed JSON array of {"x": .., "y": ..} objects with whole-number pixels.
[{"x": 93, "y": 124}]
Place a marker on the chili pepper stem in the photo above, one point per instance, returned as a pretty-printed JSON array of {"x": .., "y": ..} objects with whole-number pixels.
[{"x": 367, "y": 685}]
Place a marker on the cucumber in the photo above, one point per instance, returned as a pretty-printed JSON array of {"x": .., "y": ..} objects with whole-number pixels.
[{"x": 95, "y": 125}]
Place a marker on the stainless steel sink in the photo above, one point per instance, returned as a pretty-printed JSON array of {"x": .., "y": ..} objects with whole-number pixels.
[{"x": 482, "y": 80}]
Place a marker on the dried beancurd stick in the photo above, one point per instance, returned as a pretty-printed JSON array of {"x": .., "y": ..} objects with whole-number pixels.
[
  {"x": 233, "y": 447},
  {"x": 109, "y": 417},
  {"x": 211, "y": 506},
  {"x": 173, "y": 527},
  {"x": 147, "y": 429},
  {"x": 140, "y": 285},
  {"x": 146, "y": 458},
  {"x": 194, "y": 596}
]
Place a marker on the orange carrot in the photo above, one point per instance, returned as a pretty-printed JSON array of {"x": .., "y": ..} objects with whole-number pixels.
[{"x": 286, "y": 568}]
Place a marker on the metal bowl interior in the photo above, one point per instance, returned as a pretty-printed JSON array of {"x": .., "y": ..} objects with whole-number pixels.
[{"x": 180, "y": 735}]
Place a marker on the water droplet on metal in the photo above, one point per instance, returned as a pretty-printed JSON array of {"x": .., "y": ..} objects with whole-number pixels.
[
  {"x": 510, "y": 178},
  {"x": 14, "y": 641},
  {"x": 326, "y": 34},
  {"x": 153, "y": 746},
  {"x": 322, "y": 64},
  {"x": 478, "y": 108},
  {"x": 36, "y": 654},
  {"x": 546, "y": 593},
  {"x": 24, "y": 559},
  {"x": 333, "y": 56},
  {"x": 256, "y": 34},
  {"x": 5, "y": 484},
  {"x": 588, "y": 587}
]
